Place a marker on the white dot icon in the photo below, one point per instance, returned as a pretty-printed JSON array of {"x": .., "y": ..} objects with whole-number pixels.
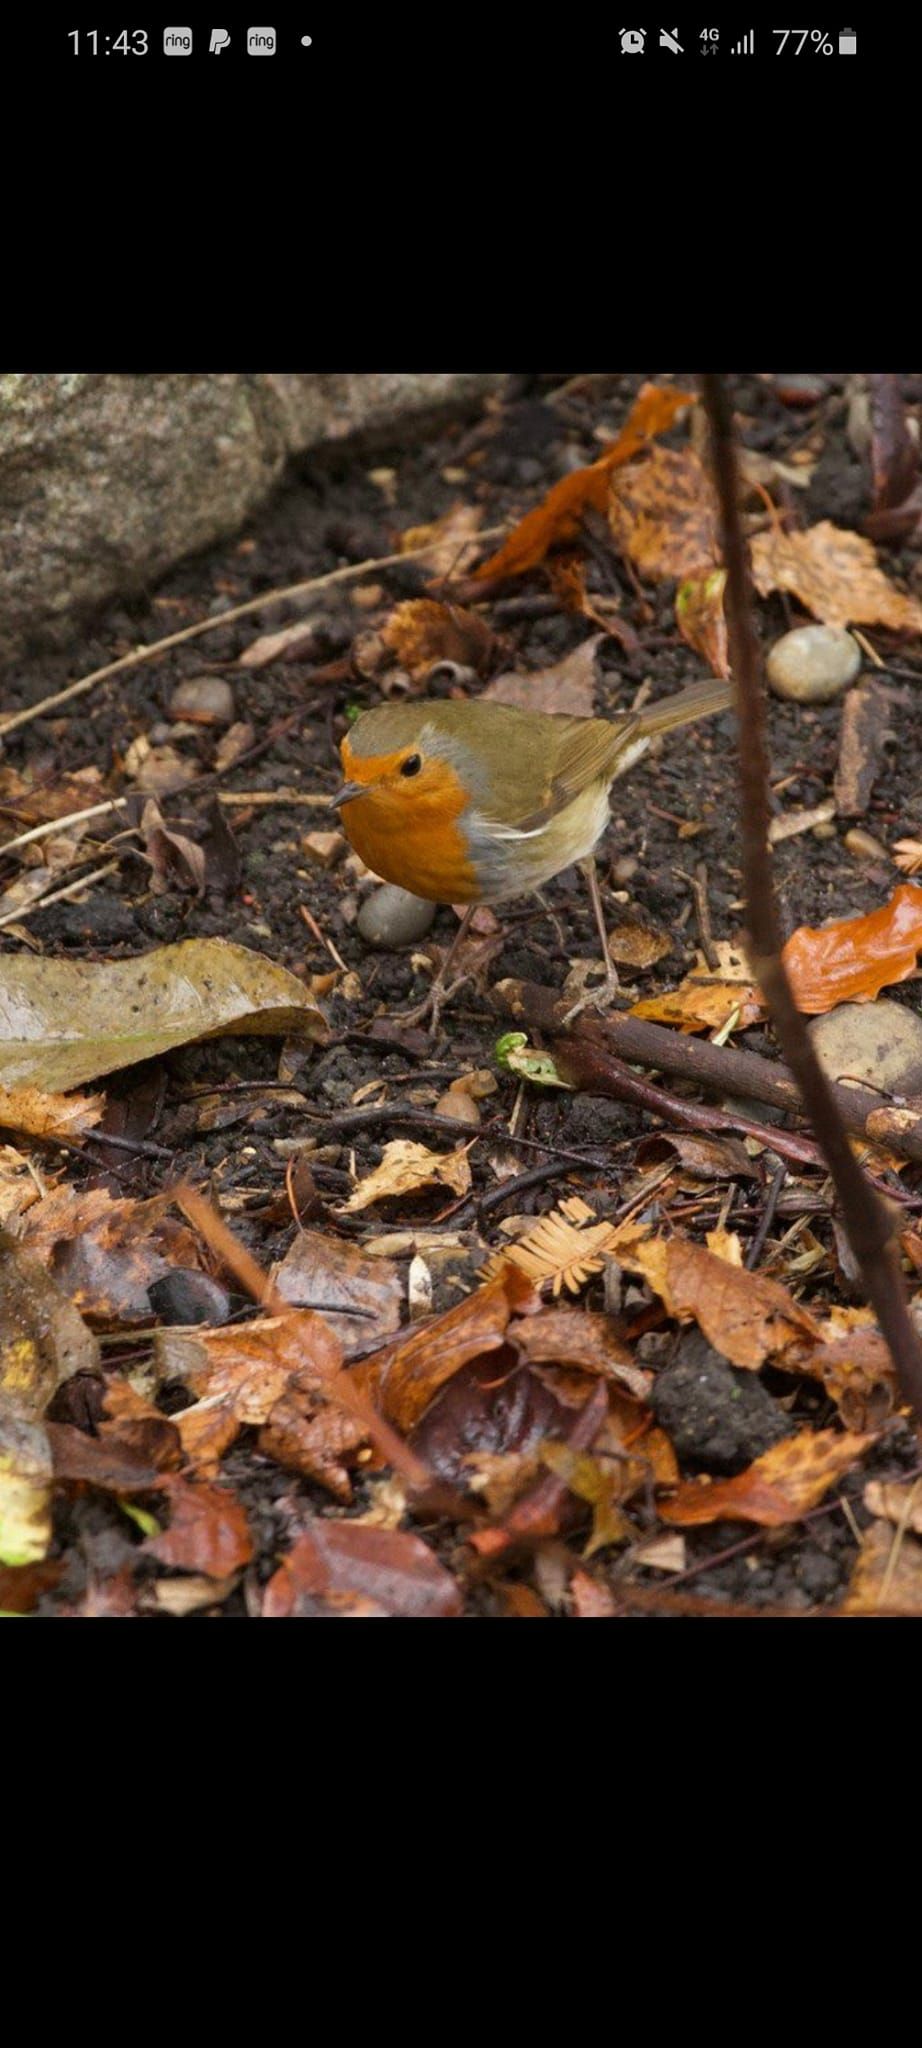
[{"x": 306, "y": 42}]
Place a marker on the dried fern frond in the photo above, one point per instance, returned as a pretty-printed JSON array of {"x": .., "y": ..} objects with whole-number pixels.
[{"x": 564, "y": 1249}]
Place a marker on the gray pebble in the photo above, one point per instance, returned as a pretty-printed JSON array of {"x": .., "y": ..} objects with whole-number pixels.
[
  {"x": 208, "y": 699},
  {"x": 877, "y": 1042},
  {"x": 392, "y": 918},
  {"x": 813, "y": 664}
]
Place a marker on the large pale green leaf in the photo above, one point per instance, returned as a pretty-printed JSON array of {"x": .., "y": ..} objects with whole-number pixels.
[
  {"x": 63, "y": 1022},
  {"x": 25, "y": 1489},
  {"x": 43, "y": 1339}
]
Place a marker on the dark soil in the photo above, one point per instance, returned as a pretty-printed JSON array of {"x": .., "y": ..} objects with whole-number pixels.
[{"x": 351, "y": 510}]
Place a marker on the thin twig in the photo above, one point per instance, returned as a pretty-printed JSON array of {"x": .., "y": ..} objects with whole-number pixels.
[
  {"x": 211, "y": 625},
  {"x": 58, "y": 895},
  {"x": 767, "y": 1217},
  {"x": 868, "y": 1225},
  {"x": 698, "y": 884},
  {"x": 321, "y": 938},
  {"x": 61, "y": 824}
]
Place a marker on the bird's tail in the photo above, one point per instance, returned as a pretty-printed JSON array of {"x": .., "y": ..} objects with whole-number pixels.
[{"x": 700, "y": 700}]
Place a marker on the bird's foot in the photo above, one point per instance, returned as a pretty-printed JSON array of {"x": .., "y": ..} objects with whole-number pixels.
[
  {"x": 599, "y": 999},
  {"x": 433, "y": 1003}
]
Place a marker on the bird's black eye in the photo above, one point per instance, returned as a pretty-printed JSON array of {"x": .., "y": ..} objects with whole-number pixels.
[{"x": 412, "y": 765}]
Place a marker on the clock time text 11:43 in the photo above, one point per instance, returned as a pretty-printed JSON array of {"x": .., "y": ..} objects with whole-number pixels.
[{"x": 129, "y": 42}]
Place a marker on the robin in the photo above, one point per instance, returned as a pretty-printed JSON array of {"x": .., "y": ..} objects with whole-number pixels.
[{"x": 476, "y": 802}]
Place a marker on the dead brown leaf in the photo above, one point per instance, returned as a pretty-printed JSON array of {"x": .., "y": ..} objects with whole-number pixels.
[
  {"x": 779, "y": 1487},
  {"x": 746, "y": 1317},
  {"x": 453, "y": 540},
  {"x": 106, "y": 1253},
  {"x": 663, "y": 516},
  {"x": 852, "y": 960},
  {"x": 603, "y": 1484},
  {"x": 422, "y": 632},
  {"x": 308, "y": 1433},
  {"x": 887, "y": 1577},
  {"x": 22, "y": 1586},
  {"x": 405, "y": 1376},
  {"x": 571, "y": 1336},
  {"x": 241, "y": 1374},
  {"x": 638, "y": 946},
  {"x": 702, "y": 1158},
  {"x": 540, "y": 1512},
  {"x": 105, "y": 1462},
  {"x": 292, "y": 643},
  {"x": 133, "y": 1423},
  {"x": 158, "y": 771},
  {"x": 406, "y": 1169},
  {"x": 709, "y": 997},
  {"x": 348, "y": 1568},
  {"x": 361, "y": 1299},
  {"x": 39, "y": 1115},
  {"x": 834, "y": 574},
  {"x": 699, "y": 609},
  {"x": 559, "y": 515},
  {"x": 43, "y": 1339},
  {"x": 38, "y": 803},
  {"x": 209, "y": 1531},
  {"x": 568, "y": 686},
  {"x": 897, "y": 1500},
  {"x": 567, "y": 577},
  {"x": 175, "y": 860},
  {"x": 19, "y": 1189},
  {"x": 856, "y": 1369}
]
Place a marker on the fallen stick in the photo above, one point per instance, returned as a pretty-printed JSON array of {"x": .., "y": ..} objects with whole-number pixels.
[
  {"x": 723, "y": 1069},
  {"x": 584, "y": 1061}
]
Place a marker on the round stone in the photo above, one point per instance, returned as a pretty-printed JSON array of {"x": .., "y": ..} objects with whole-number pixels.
[
  {"x": 813, "y": 664},
  {"x": 208, "y": 700},
  {"x": 879, "y": 1043},
  {"x": 392, "y": 918}
]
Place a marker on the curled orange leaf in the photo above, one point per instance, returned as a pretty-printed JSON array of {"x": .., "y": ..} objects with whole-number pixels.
[
  {"x": 852, "y": 960},
  {"x": 558, "y": 516},
  {"x": 779, "y": 1487}
]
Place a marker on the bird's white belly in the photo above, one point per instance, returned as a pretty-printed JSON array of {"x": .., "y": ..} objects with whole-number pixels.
[{"x": 519, "y": 861}]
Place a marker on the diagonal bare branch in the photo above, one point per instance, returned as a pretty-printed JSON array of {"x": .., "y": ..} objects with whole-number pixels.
[{"x": 869, "y": 1227}]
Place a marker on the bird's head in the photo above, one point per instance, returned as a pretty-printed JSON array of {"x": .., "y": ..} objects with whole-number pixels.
[{"x": 395, "y": 761}]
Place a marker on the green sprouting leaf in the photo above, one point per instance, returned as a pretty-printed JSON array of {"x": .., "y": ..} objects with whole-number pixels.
[
  {"x": 147, "y": 1523},
  {"x": 513, "y": 1052}
]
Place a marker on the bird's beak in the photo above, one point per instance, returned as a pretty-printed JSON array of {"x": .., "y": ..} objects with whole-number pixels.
[{"x": 346, "y": 794}]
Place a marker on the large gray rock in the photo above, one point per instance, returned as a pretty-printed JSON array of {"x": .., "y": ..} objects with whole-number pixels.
[{"x": 106, "y": 481}]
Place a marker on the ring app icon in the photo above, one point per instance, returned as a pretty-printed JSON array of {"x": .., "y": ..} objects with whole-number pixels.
[
  {"x": 177, "y": 42},
  {"x": 260, "y": 42},
  {"x": 220, "y": 38}
]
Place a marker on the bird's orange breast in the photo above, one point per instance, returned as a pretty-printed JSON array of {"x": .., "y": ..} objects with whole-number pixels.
[{"x": 408, "y": 831}]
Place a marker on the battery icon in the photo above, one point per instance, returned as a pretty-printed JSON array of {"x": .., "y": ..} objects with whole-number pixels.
[{"x": 848, "y": 43}]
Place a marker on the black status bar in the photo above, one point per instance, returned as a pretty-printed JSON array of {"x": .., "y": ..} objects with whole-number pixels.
[{"x": 312, "y": 43}]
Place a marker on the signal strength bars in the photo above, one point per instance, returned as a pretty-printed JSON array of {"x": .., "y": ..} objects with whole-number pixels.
[{"x": 746, "y": 47}]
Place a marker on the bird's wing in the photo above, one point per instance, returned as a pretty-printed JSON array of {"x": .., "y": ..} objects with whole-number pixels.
[{"x": 587, "y": 752}]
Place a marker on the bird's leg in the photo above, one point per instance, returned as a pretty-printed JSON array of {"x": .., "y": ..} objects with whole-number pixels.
[
  {"x": 602, "y": 998},
  {"x": 552, "y": 918},
  {"x": 438, "y": 995}
]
